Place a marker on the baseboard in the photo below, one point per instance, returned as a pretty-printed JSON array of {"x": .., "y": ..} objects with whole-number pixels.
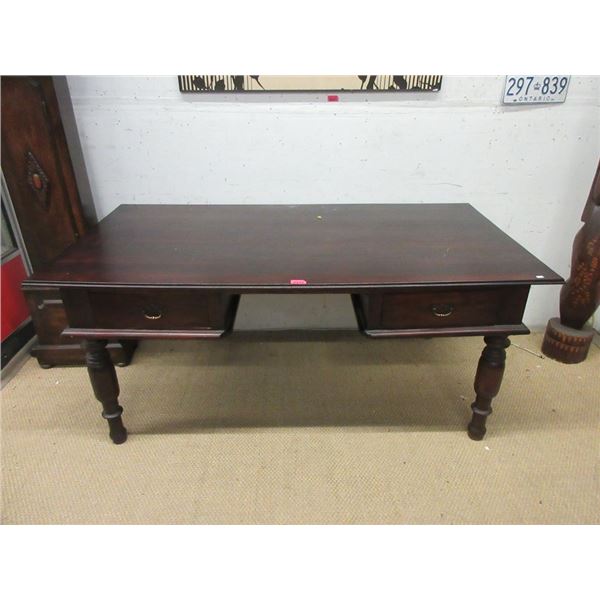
[
  {"x": 16, "y": 340},
  {"x": 16, "y": 362}
]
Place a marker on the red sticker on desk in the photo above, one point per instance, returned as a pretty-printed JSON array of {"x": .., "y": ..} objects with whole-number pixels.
[{"x": 297, "y": 282}]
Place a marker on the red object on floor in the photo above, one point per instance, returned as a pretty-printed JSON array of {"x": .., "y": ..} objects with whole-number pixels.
[
  {"x": 14, "y": 310},
  {"x": 333, "y": 98}
]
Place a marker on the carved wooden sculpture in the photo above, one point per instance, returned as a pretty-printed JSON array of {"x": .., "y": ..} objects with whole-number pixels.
[{"x": 565, "y": 339}]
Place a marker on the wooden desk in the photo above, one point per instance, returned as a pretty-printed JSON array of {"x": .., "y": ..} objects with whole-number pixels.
[{"x": 413, "y": 270}]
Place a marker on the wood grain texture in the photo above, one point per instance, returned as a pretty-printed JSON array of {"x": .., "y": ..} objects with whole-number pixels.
[
  {"x": 36, "y": 161},
  {"x": 262, "y": 248},
  {"x": 178, "y": 271},
  {"x": 443, "y": 307},
  {"x": 106, "y": 387},
  {"x": 488, "y": 379},
  {"x": 580, "y": 296},
  {"x": 34, "y": 143},
  {"x": 142, "y": 313},
  {"x": 53, "y": 347},
  {"x": 567, "y": 341}
]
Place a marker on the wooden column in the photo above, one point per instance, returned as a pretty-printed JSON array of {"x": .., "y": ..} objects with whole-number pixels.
[
  {"x": 106, "y": 387},
  {"x": 565, "y": 339}
]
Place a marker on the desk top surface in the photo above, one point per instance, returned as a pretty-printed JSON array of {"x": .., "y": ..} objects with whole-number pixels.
[{"x": 281, "y": 246}]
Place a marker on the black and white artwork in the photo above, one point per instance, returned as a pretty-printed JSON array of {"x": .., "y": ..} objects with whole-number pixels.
[{"x": 307, "y": 83}]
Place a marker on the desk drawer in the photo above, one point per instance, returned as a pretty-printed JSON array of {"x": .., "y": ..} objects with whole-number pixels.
[
  {"x": 443, "y": 308},
  {"x": 150, "y": 309}
]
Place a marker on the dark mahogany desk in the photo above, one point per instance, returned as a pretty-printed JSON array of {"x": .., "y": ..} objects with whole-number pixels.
[{"x": 412, "y": 270}]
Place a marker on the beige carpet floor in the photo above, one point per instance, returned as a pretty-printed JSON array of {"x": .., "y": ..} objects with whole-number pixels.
[{"x": 348, "y": 431}]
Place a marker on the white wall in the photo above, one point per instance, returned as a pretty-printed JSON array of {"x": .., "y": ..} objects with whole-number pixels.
[{"x": 528, "y": 169}]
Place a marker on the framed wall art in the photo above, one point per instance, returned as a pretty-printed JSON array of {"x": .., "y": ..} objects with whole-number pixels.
[{"x": 309, "y": 83}]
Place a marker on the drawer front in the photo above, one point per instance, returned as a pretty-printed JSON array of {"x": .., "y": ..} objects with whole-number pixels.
[
  {"x": 439, "y": 308},
  {"x": 144, "y": 309}
]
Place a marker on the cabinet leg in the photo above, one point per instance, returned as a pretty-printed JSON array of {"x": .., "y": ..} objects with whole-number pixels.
[
  {"x": 487, "y": 382},
  {"x": 106, "y": 386}
]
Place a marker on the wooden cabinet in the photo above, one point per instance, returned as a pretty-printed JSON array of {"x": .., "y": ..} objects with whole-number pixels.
[
  {"x": 39, "y": 174},
  {"x": 37, "y": 168}
]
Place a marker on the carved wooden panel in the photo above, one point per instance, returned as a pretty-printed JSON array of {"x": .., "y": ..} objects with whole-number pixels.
[{"x": 37, "y": 167}]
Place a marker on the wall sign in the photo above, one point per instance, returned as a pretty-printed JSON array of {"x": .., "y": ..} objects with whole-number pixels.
[
  {"x": 309, "y": 83},
  {"x": 535, "y": 89}
]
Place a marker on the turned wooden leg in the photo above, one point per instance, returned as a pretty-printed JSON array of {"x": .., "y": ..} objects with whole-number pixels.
[
  {"x": 106, "y": 386},
  {"x": 487, "y": 382}
]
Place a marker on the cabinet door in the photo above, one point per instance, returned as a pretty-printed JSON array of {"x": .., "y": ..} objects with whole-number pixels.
[{"x": 37, "y": 168}]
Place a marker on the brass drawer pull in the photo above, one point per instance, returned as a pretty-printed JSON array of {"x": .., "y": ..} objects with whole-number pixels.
[
  {"x": 153, "y": 313},
  {"x": 442, "y": 310}
]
